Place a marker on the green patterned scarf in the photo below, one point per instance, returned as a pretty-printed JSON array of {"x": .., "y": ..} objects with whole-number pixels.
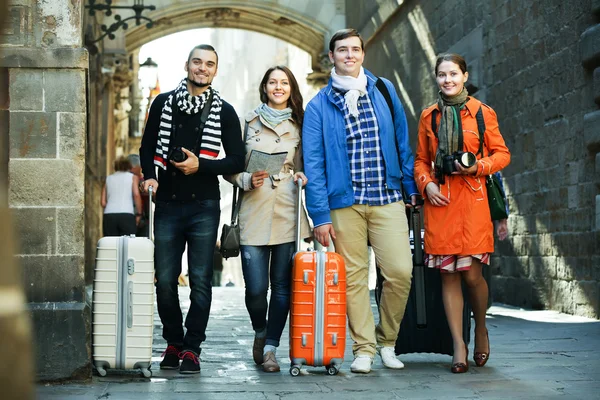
[{"x": 450, "y": 127}]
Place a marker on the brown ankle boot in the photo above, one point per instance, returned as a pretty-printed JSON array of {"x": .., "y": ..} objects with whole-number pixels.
[
  {"x": 270, "y": 363},
  {"x": 257, "y": 350}
]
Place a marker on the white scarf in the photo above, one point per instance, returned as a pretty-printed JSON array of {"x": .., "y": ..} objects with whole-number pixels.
[{"x": 354, "y": 88}]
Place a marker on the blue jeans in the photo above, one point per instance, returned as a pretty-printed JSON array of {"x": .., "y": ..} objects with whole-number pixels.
[
  {"x": 178, "y": 223},
  {"x": 255, "y": 265}
]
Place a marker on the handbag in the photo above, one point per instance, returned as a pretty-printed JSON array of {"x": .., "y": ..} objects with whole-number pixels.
[
  {"x": 495, "y": 198},
  {"x": 230, "y": 234}
]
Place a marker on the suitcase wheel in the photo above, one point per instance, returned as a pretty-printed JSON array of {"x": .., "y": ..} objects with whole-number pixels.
[
  {"x": 332, "y": 370},
  {"x": 295, "y": 370},
  {"x": 146, "y": 372},
  {"x": 101, "y": 371}
]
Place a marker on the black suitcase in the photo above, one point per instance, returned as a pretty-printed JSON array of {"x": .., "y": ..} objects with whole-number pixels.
[{"x": 424, "y": 328}]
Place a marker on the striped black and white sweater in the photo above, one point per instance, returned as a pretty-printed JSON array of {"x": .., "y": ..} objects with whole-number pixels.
[{"x": 204, "y": 184}]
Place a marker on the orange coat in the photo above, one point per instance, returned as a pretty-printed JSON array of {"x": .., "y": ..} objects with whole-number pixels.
[{"x": 463, "y": 227}]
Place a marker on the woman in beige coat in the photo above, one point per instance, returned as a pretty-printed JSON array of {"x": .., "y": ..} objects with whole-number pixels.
[{"x": 267, "y": 212}]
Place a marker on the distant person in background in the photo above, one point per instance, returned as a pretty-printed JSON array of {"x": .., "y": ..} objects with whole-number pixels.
[
  {"x": 136, "y": 166},
  {"x": 267, "y": 211},
  {"x": 121, "y": 201},
  {"x": 217, "y": 266},
  {"x": 136, "y": 169}
]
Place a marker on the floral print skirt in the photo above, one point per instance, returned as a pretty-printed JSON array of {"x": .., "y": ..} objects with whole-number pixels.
[{"x": 454, "y": 263}]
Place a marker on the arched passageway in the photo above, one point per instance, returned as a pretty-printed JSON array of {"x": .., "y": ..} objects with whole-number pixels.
[{"x": 271, "y": 19}]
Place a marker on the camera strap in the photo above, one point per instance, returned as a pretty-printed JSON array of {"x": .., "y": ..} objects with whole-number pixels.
[
  {"x": 203, "y": 119},
  {"x": 481, "y": 129}
]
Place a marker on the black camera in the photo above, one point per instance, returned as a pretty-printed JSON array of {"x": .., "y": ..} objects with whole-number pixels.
[
  {"x": 465, "y": 158},
  {"x": 177, "y": 155}
]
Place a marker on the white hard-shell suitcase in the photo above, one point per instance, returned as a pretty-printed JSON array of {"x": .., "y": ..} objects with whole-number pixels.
[{"x": 123, "y": 303}]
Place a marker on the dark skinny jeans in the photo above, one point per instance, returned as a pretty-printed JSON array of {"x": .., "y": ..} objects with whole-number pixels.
[
  {"x": 178, "y": 223},
  {"x": 259, "y": 263}
]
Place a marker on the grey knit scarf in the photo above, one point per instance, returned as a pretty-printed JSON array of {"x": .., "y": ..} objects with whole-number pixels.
[{"x": 273, "y": 117}]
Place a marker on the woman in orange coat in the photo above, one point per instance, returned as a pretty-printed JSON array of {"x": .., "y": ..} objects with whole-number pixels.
[{"x": 458, "y": 227}]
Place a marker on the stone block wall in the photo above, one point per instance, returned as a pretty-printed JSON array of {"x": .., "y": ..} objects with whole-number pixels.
[
  {"x": 536, "y": 63},
  {"x": 16, "y": 367},
  {"x": 44, "y": 123}
]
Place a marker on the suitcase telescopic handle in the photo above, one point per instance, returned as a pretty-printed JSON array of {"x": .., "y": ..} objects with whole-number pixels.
[
  {"x": 150, "y": 213},
  {"x": 417, "y": 240},
  {"x": 418, "y": 271},
  {"x": 298, "y": 213}
]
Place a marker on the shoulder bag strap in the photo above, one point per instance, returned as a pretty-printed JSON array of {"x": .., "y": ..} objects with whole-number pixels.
[
  {"x": 388, "y": 99},
  {"x": 480, "y": 128},
  {"x": 237, "y": 202},
  {"x": 386, "y": 95}
]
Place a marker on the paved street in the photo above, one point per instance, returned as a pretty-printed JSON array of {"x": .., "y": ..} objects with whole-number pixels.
[{"x": 534, "y": 355}]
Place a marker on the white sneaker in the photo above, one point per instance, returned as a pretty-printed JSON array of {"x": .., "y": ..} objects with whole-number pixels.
[
  {"x": 388, "y": 357},
  {"x": 361, "y": 364}
]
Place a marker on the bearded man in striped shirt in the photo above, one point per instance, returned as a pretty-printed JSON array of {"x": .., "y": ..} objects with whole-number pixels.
[{"x": 182, "y": 139}]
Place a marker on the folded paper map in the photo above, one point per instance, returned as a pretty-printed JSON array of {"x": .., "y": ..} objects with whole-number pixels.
[{"x": 270, "y": 162}]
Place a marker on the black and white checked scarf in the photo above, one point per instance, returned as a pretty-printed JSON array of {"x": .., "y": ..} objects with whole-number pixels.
[{"x": 211, "y": 135}]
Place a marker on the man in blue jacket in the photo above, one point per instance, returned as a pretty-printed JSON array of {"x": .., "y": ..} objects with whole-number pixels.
[{"x": 357, "y": 159}]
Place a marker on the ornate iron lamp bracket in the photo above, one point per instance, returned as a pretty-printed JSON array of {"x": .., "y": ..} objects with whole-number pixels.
[{"x": 138, "y": 7}]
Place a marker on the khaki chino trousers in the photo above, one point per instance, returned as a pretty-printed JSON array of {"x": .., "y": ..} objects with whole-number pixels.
[{"x": 386, "y": 228}]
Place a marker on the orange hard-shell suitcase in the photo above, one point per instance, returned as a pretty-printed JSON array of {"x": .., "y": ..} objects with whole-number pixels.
[{"x": 318, "y": 307}]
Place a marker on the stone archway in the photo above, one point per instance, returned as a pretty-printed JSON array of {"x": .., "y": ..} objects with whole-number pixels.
[
  {"x": 274, "y": 21},
  {"x": 306, "y": 24}
]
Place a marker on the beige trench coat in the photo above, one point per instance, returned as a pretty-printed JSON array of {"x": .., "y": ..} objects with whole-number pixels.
[{"x": 268, "y": 214}]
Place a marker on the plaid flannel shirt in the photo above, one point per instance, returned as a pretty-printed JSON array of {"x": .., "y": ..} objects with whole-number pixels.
[{"x": 367, "y": 167}]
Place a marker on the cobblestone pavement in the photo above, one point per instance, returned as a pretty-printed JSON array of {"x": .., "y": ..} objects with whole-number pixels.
[{"x": 534, "y": 355}]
